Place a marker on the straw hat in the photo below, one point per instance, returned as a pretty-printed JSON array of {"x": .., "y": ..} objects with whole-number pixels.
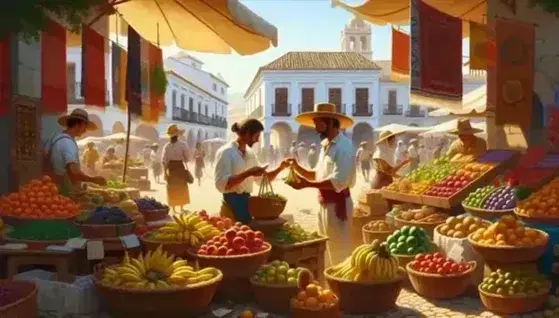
[
  {"x": 413, "y": 141},
  {"x": 77, "y": 113},
  {"x": 363, "y": 143},
  {"x": 173, "y": 130},
  {"x": 323, "y": 110},
  {"x": 463, "y": 127},
  {"x": 385, "y": 135}
]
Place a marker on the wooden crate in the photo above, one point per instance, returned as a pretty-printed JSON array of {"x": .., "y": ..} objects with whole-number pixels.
[
  {"x": 307, "y": 254},
  {"x": 401, "y": 197}
]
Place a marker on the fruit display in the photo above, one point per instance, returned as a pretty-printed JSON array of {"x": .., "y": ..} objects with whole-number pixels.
[
  {"x": 277, "y": 272},
  {"x": 515, "y": 283},
  {"x": 543, "y": 203},
  {"x": 461, "y": 226},
  {"x": 508, "y": 232},
  {"x": 457, "y": 181},
  {"x": 188, "y": 228},
  {"x": 378, "y": 226},
  {"x": 435, "y": 171},
  {"x": 238, "y": 240},
  {"x": 113, "y": 184},
  {"x": 146, "y": 204},
  {"x": 44, "y": 230},
  {"x": 104, "y": 215},
  {"x": 39, "y": 199},
  {"x": 368, "y": 262},
  {"x": 502, "y": 198},
  {"x": 156, "y": 270},
  {"x": 311, "y": 295},
  {"x": 425, "y": 214},
  {"x": 409, "y": 187},
  {"x": 292, "y": 176},
  {"x": 477, "y": 198},
  {"x": 292, "y": 233},
  {"x": 99, "y": 195},
  {"x": 437, "y": 263},
  {"x": 409, "y": 240},
  {"x": 460, "y": 158},
  {"x": 221, "y": 223},
  {"x": 129, "y": 207}
]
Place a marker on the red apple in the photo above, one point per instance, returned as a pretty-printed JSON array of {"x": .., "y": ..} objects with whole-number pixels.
[
  {"x": 238, "y": 224},
  {"x": 245, "y": 228},
  {"x": 242, "y": 234},
  {"x": 222, "y": 250},
  {"x": 258, "y": 242},
  {"x": 226, "y": 245},
  {"x": 220, "y": 225},
  {"x": 212, "y": 250},
  {"x": 227, "y": 222},
  {"x": 250, "y": 235},
  {"x": 204, "y": 247},
  {"x": 230, "y": 252},
  {"x": 202, "y": 252},
  {"x": 244, "y": 250},
  {"x": 218, "y": 243},
  {"x": 259, "y": 235},
  {"x": 238, "y": 242},
  {"x": 230, "y": 235},
  {"x": 223, "y": 239},
  {"x": 210, "y": 242}
]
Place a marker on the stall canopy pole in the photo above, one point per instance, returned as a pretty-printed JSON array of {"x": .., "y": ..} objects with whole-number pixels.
[{"x": 129, "y": 124}]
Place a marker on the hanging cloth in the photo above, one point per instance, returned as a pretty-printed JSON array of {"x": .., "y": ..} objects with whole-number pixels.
[
  {"x": 53, "y": 71},
  {"x": 400, "y": 67},
  {"x": 478, "y": 47}
]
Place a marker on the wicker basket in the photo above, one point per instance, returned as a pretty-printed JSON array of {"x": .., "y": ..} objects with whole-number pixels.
[
  {"x": 26, "y": 306},
  {"x": 509, "y": 254},
  {"x": 369, "y": 236},
  {"x": 179, "y": 249},
  {"x": 328, "y": 312},
  {"x": 548, "y": 220},
  {"x": 486, "y": 214},
  {"x": 455, "y": 238},
  {"x": 441, "y": 286},
  {"x": 429, "y": 227},
  {"x": 99, "y": 231},
  {"x": 235, "y": 266},
  {"x": 513, "y": 304},
  {"x": 261, "y": 208},
  {"x": 155, "y": 215},
  {"x": 366, "y": 297},
  {"x": 273, "y": 298},
  {"x": 192, "y": 300}
]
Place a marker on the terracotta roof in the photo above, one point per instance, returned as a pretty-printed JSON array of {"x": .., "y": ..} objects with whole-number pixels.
[{"x": 316, "y": 61}]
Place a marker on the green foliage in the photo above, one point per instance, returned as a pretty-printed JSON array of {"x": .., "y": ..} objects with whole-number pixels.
[
  {"x": 158, "y": 80},
  {"x": 551, "y": 6},
  {"x": 28, "y": 17}
]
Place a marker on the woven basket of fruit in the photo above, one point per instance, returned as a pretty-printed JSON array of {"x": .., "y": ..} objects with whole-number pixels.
[
  {"x": 407, "y": 242},
  {"x": 444, "y": 279},
  {"x": 541, "y": 206},
  {"x": 105, "y": 222},
  {"x": 425, "y": 218},
  {"x": 267, "y": 205},
  {"x": 156, "y": 285},
  {"x": 508, "y": 241},
  {"x": 18, "y": 300},
  {"x": 151, "y": 209},
  {"x": 490, "y": 202},
  {"x": 514, "y": 292},
  {"x": 236, "y": 266},
  {"x": 376, "y": 230},
  {"x": 313, "y": 301},
  {"x": 273, "y": 286},
  {"x": 41, "y": 233}
]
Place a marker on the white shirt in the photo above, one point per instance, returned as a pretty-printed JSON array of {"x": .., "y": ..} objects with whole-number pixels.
[
  {"x": 337, "y": 164},
  {"x": 177, "y": 151},
  {"x": 64, "y": 152},
  {"x": 412, "y": 152},
  {"x": 230, "y": 161}
]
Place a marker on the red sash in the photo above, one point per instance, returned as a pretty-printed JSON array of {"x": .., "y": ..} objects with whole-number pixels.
[{"x": 337, "y": 198}]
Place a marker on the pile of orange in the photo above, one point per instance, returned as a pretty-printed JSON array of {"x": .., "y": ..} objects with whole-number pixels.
[
  {"x": 314, "y": 297},
  {"x": 509, "y": 232},
  {"x": 543, "y": 203},
  {"x": 39, "y": 200}
]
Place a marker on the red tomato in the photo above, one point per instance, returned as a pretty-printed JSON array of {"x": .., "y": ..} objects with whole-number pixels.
[
  {"x": 428, "y": 257},
  {"x": 424, "y": 263},
  {"x": 438, "y": 255},
  {"x": 419, "y": 257},
  {"x": 414, "y": 264},
  {"x": 454, "y": 268},
  {"x": 441, "y": 271},
  {"x": 432, "y": 265}
]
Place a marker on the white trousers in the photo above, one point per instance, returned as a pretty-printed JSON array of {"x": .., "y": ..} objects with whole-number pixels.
[{"x": 339, "y": 245}]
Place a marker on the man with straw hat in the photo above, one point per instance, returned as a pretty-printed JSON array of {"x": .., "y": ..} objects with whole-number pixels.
[
  {"x": 363, "y": 156},
  {"x": 467, "y": 143},
  {"x": 333, "y": 176},
  {"x": 384, "y": 166},
  {"x": 62, "y": 160},
  {"x": 174, "y": 162}
]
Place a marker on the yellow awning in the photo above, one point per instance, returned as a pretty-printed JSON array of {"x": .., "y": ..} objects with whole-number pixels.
[{"x": 397, "y": 12}]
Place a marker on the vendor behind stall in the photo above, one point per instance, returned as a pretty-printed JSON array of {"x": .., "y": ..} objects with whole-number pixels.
[
  {"x": 62, "y": 161},
  {"x": 109, "y": 156},
  {"x": 384, "y": 168},
  {"x": 467, "y": 143}
]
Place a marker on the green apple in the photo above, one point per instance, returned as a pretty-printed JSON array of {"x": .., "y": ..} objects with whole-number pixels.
[
  {"x": 270, "y": 279},
  {"x": 282, "y": 270},
  {"x": 276, "y": 263},
  {"x": 271, "y": 272},
  {"x": 281, "y": 279},
  {"x": 292, "y": 281},
  {"x": 292, "y": 272}
]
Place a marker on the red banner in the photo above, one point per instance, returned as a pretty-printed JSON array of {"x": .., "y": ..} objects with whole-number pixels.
[
  {"x": 400, "y": 54},
  {"x": 5, "y": 76},
  {"x": 156, "y": 99},
  {"x": 53, "y": 68},
  {"x": 93, "y": 75}
]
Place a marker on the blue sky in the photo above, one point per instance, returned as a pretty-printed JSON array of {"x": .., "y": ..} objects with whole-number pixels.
[{"x": 303, "y": 25}]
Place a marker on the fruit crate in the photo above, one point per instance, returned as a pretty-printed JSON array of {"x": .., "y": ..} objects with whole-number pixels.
[
  {"x": 308, "y": 254},
  {"x": 401, "y": 197}
]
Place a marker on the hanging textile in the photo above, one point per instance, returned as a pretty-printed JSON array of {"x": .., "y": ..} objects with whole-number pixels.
[
  {"x": 119, "y": 61},
  {"x": 513, "y": 73},
  {"x": 400, "y": 68},
  {"x": 145, "y": 68},
  {"x": 478, "y": 47},
  {"x": 436, "y": 60},
  {"x": 5, "y": 76},
  {"x": 134, "y": 73},
  {"x": 93, "y": 68},
  {"x": 156, "y": 98},
  {"x": 54, "y": 88}
]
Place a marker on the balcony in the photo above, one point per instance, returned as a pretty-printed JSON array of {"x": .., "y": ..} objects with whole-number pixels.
[
  {"x": 361, "y": 112},
  {"x": 75, "y": 95},
  {"x": 200, "y": 119},
  {"x": 257, "y": 113},
  {"x": 392, "y": 110},
  {"x": 284, "y": 110},
  {"x": 415, "y": 113}
]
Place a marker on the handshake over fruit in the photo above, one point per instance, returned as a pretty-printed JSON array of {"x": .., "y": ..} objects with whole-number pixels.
[
  {"x": 188, "y": 228},
  {"x": 157, "y": 270},
  {"x": 368, "y": 262},
  {"x": 292, "y": 176}
]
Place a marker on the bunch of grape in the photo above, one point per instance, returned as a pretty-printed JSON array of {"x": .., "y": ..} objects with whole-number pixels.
[
  {"x": 501, "y": 199},
  {"x": 107, "y": 215},
  {"x": 149, "y": 204},
  {"x": 475, "y": 199}
]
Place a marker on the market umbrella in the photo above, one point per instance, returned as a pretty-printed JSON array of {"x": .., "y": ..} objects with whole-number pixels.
[
  {"x": 213, "y": 26},
  {"x": 121, "y": 135},
  {"x": 83, "y": 142}
]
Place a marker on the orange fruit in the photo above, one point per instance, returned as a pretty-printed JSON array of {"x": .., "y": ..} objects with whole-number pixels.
[
  {"x": 311, "y": 302},
  {"x": 302, "y": 296},
  {"x": 312, "y": 290}
]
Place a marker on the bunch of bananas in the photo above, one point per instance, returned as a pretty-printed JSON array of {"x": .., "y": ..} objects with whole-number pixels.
[
  {"x": 157, "y": 270},
  {"x": 368, "y": 262},
  {"x": 292, "y": 176},
  {"x": 189, "y": 228}
]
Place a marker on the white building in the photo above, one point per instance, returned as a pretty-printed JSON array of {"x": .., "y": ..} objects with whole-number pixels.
[{"x": 195, "y": 100}]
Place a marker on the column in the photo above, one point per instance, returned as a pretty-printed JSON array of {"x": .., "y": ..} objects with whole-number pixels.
[
  {"x": 348, "y": 98},
  {"x": 375, "y": 99},
  {"x": 294, "y": 97}
]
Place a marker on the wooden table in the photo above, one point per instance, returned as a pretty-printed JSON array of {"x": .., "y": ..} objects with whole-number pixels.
[
  {"x": 62, "y": 261},
  {"x": 306, "y": 254}
]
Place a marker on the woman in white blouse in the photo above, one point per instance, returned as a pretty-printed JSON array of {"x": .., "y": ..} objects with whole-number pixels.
[{"x": 174, "y": 160}]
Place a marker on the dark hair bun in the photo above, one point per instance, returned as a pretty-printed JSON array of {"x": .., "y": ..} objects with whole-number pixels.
[{"x": 235, "y": 127}]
